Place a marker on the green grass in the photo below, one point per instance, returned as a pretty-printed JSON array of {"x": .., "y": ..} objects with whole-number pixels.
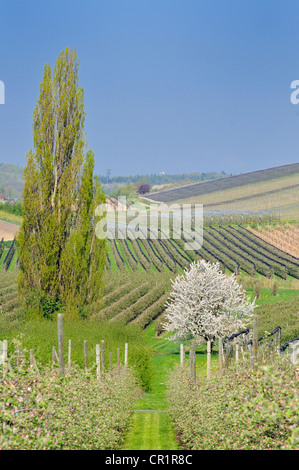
[
  {"x": 267, "y": 295},
  {"x": 151, "y": 431},
  {"x": 41, "y": 336},
  {"x": 155, "y": 430}
]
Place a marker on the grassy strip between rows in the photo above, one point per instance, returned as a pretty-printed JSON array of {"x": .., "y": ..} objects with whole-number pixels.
[{"x": 153, "y": 429}]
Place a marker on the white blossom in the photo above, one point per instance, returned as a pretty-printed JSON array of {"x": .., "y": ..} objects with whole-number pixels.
[{"x": 206, "y": 304}]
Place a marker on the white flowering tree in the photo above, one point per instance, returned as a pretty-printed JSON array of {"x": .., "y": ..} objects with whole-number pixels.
[{"x": 206, "y": 304}]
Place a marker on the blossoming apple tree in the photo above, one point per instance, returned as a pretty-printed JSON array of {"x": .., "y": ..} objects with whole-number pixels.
[{"x": 206, "y": 304}]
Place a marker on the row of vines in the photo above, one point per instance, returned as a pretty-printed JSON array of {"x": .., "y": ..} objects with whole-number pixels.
[{"x": 235, "y": 248}]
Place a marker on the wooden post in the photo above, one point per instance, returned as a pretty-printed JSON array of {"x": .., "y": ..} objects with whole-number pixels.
[
  {"x": 69, "y": 360},
  {"x": 208, "y": 360},
  {"x": 5, "y": 357},
  {"x": 126, "y": 354},
  {"x": 85, "y": 356},
  {"x": 4, "y": 422},
  {"x": 53, "y": 356},
  {"x": 60, "y": 344},
  {"x": 13, "y": 426},
  {"x": 192, "y": 361},
  {"x": 110, "y": 361},
  {"x": 18, "y": 356},
  {"x": 228, "y": 346},
  {"x": 5, "y": 348},
  {"x": 220, "y": 353},
  {"x": 237, "y": 352},
  {"x": 103, "y": 356},
  {"x": 294, "y": 353},
  {"x": 118, "y": 361},
  {"x": 33, "y": 361},
  {"x": 278, "y": 341},
  {"x": 182, "y": 355},
  {"x": 255, "y": 339},
  {"x": 31, "y": 358},
  {"x": 98, "y": 361},
  {"x": 250, "y": 355}
]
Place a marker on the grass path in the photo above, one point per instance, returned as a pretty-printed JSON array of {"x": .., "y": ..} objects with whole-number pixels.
[
  {"x": 151, "y": 427},
  {"x": 153, "y": 430}
]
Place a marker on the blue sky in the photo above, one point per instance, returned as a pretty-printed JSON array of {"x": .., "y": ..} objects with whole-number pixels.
[{"x": 170, "y": 85}]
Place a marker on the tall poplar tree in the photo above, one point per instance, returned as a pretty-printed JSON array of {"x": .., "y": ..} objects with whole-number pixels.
[{"x": 61, "y": 260}]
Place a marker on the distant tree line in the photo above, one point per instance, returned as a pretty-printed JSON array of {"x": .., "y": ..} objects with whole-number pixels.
[
  {"x": 11, "y": 208},
  {"x": 11, "y": 180},
  {"x": 153, "y": 179}
]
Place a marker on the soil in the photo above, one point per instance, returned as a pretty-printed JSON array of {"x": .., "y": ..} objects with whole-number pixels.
[{"x": 8, "y": 230}]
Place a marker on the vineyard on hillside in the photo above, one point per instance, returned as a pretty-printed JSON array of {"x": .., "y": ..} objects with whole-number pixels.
[
  {"x": 236, "y": 248},
  {"x": 138, "y": 274},
  {"x": 134, "y": 299},
  {"x": 128, "y": 298},
  {"x": 140, "y": 299},
  {"x": 235, "y": 181}
]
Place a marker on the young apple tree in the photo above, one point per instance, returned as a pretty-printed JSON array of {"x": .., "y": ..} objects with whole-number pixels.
[{"x": 206, "y": 304}]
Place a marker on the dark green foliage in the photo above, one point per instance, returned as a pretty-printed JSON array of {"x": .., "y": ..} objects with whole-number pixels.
[
  {"x": 12, "y": 208},
  {"x": 49, "y": 305},
  {"x": 141, "y": 363},
  {"x": 60, "y": 256}
]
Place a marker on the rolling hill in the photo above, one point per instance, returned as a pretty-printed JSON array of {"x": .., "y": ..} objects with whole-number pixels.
[
  {"x": 273, "y": 189},
  {"x": 11, "y": 180},
  {"x": 198, "y": 189}
]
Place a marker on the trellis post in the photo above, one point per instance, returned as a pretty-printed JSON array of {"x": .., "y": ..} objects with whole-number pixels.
[
  {"x": 182, "y": 355},
  {"x": 69, "y": 362},
  {"x": 118, "y": 361},
  {"x": 110, "y": 361},
  {"x": 220, "y": 354},
  {"x": 85, "y": 356},
  {"x": 192, "y": 361},
  {"x": 60, "y": 344},
  {"x": 103, "y": 356},
  {"x": 126, "y": 354},
  {"x": 209, "y": 360},
  {"x": 98, "y": 361},
  {"x": 255, "y": 339}
]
